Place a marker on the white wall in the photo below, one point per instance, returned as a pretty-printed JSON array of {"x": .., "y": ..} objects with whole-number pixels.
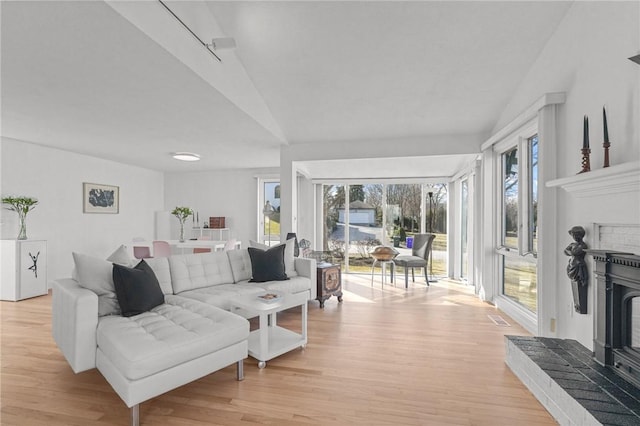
[
  {"x": 55, "y": 177},
  {"x": 587, "y": 59},
  {"x": 306, "y": 220},
  {"x": 232, "y": 194}
]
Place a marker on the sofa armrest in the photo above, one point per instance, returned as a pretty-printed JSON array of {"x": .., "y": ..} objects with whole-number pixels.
[
  {"x": 306, "y": 267},
  {"x": 74, "y": 323}
]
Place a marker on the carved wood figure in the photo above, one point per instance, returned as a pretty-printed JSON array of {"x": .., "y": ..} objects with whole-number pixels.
[{"x": 577, "y": 269}]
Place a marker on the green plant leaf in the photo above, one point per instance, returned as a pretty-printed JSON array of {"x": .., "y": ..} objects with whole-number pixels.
[
  {"x": 20, "y": 204},
  {"x": 182, "y": 213}
]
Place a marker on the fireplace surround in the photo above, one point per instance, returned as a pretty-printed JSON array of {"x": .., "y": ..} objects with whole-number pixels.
[
  {"x": 598, "y": 386},
  {"x": 616, "y": 340}
]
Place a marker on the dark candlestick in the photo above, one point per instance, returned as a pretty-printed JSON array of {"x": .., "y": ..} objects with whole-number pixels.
[
  {"x": 606, "y": 143},
  {"x": 586, "y": 162},
  {"x": 606, "y": 128},
  {"x": 585, "y": 133}
]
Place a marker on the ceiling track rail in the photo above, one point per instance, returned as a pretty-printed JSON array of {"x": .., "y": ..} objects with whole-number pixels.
[{"x": 206, "y": 46}]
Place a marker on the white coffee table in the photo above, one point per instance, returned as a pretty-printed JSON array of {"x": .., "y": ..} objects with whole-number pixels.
[{"x": 270, "y": 340}]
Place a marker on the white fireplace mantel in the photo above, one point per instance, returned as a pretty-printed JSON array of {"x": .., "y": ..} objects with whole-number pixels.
[{"x": 616, "y": 179}]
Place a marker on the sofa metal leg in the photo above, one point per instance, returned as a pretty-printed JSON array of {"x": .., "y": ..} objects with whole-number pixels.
[
  {"x": 240, "y": 370},
  {"x": 135, "y": 415}
]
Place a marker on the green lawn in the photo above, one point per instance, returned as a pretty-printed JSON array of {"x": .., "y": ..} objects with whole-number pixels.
[
  {"x": 520, "y": 278},
  {"x": 275, "y": 227},
  {"x": 520, "y": 282},
  {"x": 358, "y": 264}
]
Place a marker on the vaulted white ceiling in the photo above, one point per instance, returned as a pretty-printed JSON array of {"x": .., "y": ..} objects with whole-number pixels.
[{"x": 125, "y": 81}]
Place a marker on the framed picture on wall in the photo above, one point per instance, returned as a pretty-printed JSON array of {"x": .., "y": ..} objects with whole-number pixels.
[{"x": 99, "y": 198}]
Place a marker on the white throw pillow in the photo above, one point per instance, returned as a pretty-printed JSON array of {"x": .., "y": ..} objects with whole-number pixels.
[
  {"x": 289, "y": 259},
  {"x": 121, "y": 257},
  {"x": 97, "y": 275},
  {"x": 240, "y": 264}
]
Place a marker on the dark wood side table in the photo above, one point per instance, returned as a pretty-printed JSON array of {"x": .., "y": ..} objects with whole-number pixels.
[{"x": 329, "y": 283}]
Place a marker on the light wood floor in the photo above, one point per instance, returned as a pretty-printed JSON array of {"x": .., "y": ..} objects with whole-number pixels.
[{"x": 392, "y": 357}]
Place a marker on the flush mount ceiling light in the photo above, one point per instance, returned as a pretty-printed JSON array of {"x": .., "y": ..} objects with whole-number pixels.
[{"x": 185, "y": 156}]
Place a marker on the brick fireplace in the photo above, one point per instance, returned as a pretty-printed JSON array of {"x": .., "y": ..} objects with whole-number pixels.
[{"x": 600, "y": 387}]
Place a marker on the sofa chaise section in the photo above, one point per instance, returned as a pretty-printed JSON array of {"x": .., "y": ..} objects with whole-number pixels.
[{"x": 146, "y": 355}]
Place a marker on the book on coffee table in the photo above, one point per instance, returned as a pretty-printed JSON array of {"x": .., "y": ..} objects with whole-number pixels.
[{"x": 270, "y": 297}]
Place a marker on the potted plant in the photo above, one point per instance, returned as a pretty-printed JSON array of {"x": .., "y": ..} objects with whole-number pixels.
[
  {"x": 21, "y": 205},
  {"x": 403, "y": 235},
  {"x": 182, "y": 213}
]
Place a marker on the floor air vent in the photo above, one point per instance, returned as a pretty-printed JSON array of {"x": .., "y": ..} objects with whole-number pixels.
[{"x": 498, "y": 320}]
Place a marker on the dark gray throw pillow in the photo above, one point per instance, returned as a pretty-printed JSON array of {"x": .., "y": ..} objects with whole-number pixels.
[
  {"x": 137, "y": 288},
  {"x": 267, "y": 265}
]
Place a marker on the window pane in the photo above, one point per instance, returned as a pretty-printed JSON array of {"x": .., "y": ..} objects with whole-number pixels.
[
  {"x": 271, "y": 212},
  {"x": 533, "y": 208},
  {"x": 365, "y": 225},
  {"x": 333, "y": 223},
  {"x": 436, "y": 221},
  {"x": 520, "y": 282},
  {"x": 403, "y": 212},
  {"x": 464, "y": 238},
  {"x": 510, "y": 198}
]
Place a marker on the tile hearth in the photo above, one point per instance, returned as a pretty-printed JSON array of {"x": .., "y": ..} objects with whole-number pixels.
[{"x": 574, "y": 388}]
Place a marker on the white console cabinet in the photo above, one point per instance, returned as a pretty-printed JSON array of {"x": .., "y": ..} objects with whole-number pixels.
[
  {"x": 218, "y": 234},
  {"x": 24, "y": 269}
]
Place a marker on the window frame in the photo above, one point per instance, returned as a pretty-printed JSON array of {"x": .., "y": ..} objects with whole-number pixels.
[
  {"x": 424, "y": 182},
  {"x": 546, "y": 109},
  {"x": 518, "y": 139},
  {"x": 464, "y": 220},
  {"x": 262, "y": 237}
]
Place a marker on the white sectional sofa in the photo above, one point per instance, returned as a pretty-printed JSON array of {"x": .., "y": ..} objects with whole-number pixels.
[{"x": 190, "y": 335}]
